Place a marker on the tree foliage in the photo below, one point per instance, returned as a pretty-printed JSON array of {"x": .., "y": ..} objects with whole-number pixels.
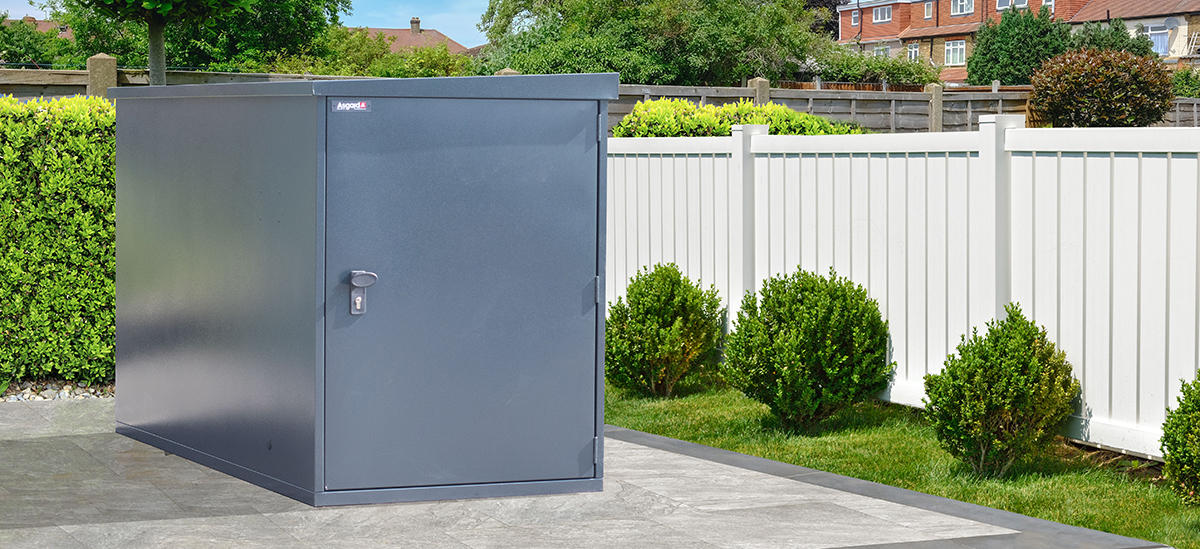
[
  {"x": 685, "y": 42},
  {"x": 263, "y": 32},
  {"x": 22, "y": 43},
  {"x": 355, "y": 52},
  {"x": 157, "y": 13},
  {"x": 1114, "y": 37},
  {"x": 827, "y": 16},
  {"x": 1011, "y": 49},
  {"x": 840, "y": 64}
]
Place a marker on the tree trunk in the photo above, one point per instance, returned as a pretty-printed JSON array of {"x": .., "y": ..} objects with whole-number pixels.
[{"x": 158, "y": 50}]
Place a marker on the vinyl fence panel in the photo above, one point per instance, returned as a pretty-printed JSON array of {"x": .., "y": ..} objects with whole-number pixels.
[{"x": 1093, "y": 232}]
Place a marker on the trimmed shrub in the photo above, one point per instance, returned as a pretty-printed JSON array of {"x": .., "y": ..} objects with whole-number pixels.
[
  {"x": 1092, "y": 88},
  {"x": 842, "y": 64},
  {"x": 1181, "y": 445},
  {"x": 812, "y": 345},
  {"x": 1003, "y": 395},
  {"x": 57, "y": 263},
  {"x": 665, "y": 328},
  {"x": 682, "y": 118},
  {"x": 1186, "y": 83}
]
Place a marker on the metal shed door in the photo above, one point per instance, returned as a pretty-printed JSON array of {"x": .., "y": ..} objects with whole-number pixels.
[{"x": 473, "y": 360}]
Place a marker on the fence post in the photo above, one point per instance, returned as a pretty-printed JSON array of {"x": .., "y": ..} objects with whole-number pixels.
[
  {"x": 994, "y": 188},
  {"x": 741, "y": 177},
  {"x": 935, "y": 106},
  {"x": 762, "y": 90},
  {"x": 102, "y": 74}
]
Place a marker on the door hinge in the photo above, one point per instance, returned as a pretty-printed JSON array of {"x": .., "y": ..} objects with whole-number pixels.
[
  {"x": 599, "y": 290},
  {"x": 595, "y": 450},
  {"x": 601, "y": 130}
]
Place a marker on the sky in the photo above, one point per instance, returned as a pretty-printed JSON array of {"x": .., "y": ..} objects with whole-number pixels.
[{"x": 453, "y": 18}]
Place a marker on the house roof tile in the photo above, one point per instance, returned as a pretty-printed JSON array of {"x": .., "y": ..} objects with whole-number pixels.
[
  {"x": 405, "y": 39},
  {"x": 1100, "y": 10}
]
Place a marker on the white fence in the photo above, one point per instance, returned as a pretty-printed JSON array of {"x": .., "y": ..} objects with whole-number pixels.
[{"x": 1092, "y": 231}]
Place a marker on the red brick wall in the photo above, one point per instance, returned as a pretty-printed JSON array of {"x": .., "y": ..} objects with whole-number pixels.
[
  {"x": 873, "y": 31},
  {"x": 906, "y": 15},
  {"x": 1066, "y": 9}
]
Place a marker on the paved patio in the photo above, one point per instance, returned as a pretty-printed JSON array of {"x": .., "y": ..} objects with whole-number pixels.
[{"x": 67, "y": 480}]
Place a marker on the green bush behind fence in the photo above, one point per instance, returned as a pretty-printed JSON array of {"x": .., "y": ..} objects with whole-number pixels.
[{"x": 57, "y": 256}]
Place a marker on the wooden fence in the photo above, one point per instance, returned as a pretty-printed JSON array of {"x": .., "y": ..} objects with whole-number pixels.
[
  {"x": 879, "y": 111},
  {"x": 1093, "y": 231}
]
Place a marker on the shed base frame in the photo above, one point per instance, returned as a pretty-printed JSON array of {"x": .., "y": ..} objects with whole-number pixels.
[{"x": 356, "y": 497}]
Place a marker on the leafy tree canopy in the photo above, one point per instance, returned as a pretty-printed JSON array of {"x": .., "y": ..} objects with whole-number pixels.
[
  {"x": 266, "y": 29},
  {"x": 684, "y": 42},
  {"x": 21, "y": 42},
  {"x": 1010, "y": 50},
  {"x": 1114, "y": 37}
]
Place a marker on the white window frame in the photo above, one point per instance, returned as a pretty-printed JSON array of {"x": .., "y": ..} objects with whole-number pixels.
[
  {"x": 1049, "y": 4},
  {"x": 1006, "y": 4},
  {"x": 929, "y": 10},
  {"x": 882, "y": 14},
  {"x": 914, "y": 51},
  {"x": 883, "y": 50},
  {"x": 956, "y": 53},
  {"x": 854, "y": 18},
  {"x": 1152, "y": 30},
  {"x": 962, "y": 7}
]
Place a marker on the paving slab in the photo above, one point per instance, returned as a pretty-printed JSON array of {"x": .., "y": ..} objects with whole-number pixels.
[{"x": 68, "y": 480}]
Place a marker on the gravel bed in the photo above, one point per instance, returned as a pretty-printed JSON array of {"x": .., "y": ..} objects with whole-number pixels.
[{"x": 55, "y": 389}]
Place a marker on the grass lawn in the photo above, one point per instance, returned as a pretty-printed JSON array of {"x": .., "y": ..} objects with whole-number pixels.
[{"x": 892, "y": 444}]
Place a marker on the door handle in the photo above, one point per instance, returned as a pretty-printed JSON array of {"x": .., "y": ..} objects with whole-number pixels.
[{"x": 359, "y": 280}]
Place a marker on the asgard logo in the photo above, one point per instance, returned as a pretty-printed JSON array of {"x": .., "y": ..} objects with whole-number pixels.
[{"x": 347, "y": 106}]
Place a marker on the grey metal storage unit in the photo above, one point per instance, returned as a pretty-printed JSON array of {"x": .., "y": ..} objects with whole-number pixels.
[{"x": 366, "y": 291}]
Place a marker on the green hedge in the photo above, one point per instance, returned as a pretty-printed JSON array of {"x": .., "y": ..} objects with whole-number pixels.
[
  {"x": 682, "y": 118},
  {"x": 57, "y": 257}
]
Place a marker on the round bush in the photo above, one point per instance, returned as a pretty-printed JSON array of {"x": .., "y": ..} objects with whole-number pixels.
[
  {"x": 664, "y": 329},
  {"x": 1002, "y": 396},
  {"x": 1181, "y": 445},
  {"x": 1092, "y": 88},
  {"x": 811, "y": 346}
]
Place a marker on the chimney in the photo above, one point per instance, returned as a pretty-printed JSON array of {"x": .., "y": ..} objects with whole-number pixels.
[
  {"x": 29, "y": 19},
  {"x": 416, "y": 25}
]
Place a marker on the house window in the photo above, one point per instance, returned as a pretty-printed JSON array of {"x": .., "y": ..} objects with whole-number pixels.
[
  {"x": 962, "y": 7},
  {"x": 1159, "y": 36},
  {"x": 1005, "y": 4},
  {"x": 882, "y": 15},
  {"x": 914, "y": 51},
  {"x": 882, "y": 50},
  {"x": 956, "y": 52},
  {"x": 1049, "y": 4},
  {"x": 929, "y": 10},
  {"x": 854, "y": 18}
]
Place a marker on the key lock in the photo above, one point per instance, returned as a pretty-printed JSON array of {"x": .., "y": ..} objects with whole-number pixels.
[{"x": 359, "y": 280}]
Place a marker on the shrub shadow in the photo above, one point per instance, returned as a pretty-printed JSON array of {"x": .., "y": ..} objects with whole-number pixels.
[{"x": 871, "y": 414}]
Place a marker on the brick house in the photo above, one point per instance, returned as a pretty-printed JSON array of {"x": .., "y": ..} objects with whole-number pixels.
[{"x": 943, "y": 31}]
